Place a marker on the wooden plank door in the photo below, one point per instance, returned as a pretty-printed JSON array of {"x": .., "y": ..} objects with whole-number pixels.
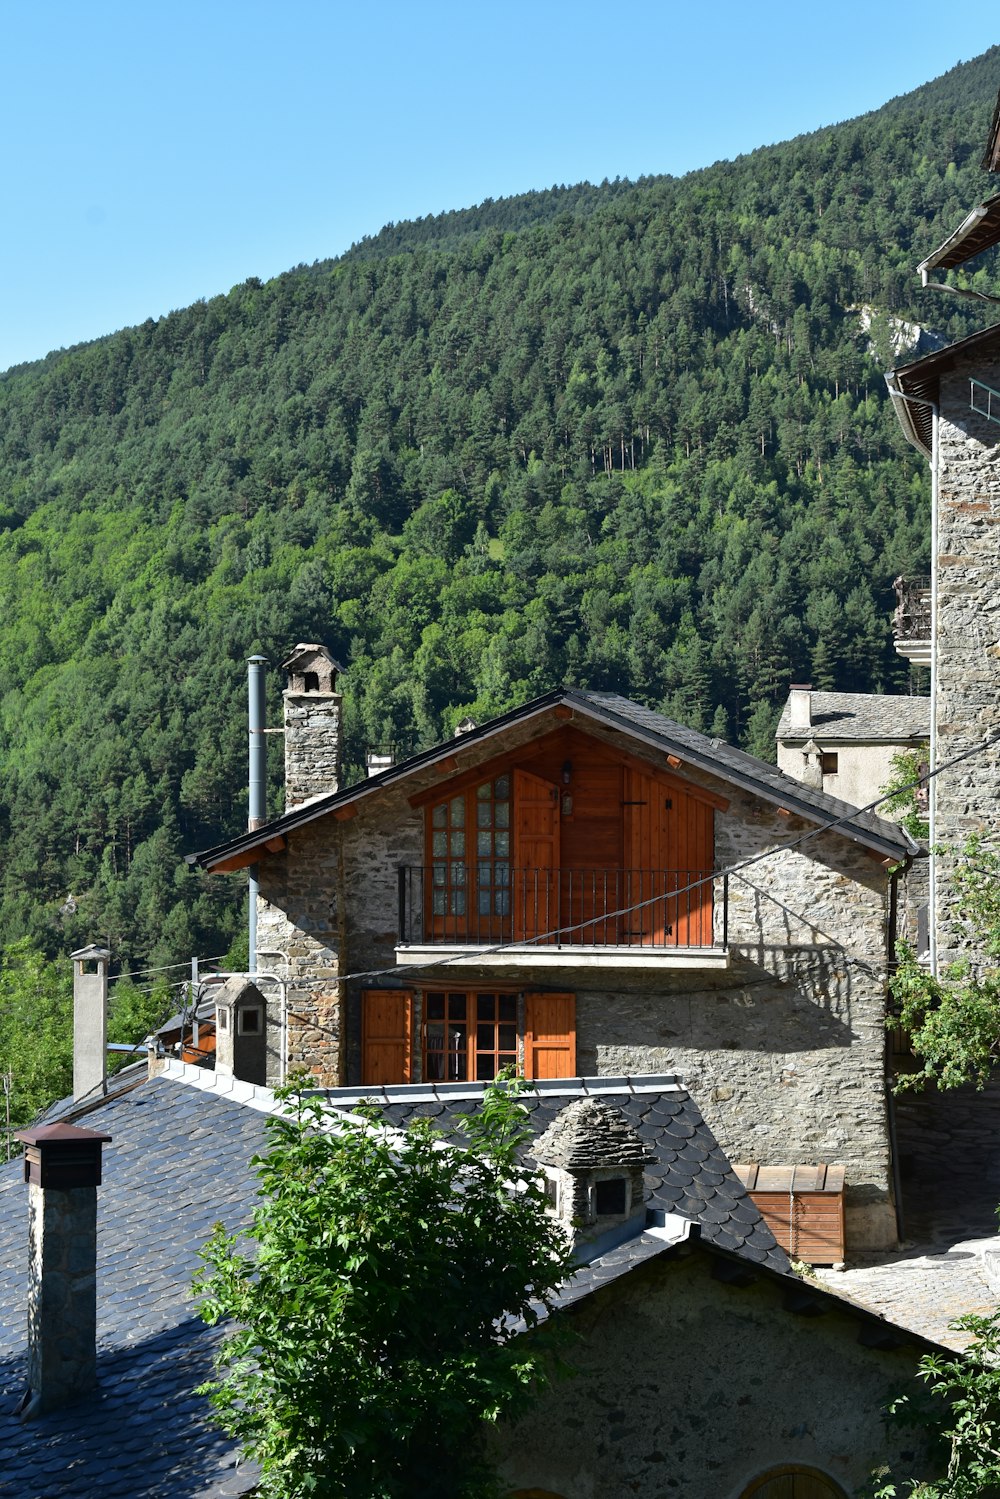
[
  {"x": 386, "y": 1036},
  {"x": 549, "y": 1035},
  {"x": 668, "y": 845},
  {"x": 535, "y": 881}
]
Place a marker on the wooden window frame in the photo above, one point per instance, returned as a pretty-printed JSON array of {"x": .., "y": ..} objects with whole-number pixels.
[{"x": 450, "y": 1002}]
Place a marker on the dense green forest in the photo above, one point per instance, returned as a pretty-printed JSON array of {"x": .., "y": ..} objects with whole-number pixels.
[{"x": 632, "y": 436}]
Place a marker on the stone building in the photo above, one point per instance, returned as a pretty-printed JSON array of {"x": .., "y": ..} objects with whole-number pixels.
[
  {"x": 948, "y": 405},
  {"x": 845, "y": 742},
  {"x": 582, "y": 887}
]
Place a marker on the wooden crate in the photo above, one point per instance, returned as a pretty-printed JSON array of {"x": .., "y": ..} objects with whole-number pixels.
[{"x": 803, "y": 1206}]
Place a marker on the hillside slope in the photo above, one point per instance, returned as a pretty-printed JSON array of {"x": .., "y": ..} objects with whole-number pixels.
[{"x": 632, "y": 436}]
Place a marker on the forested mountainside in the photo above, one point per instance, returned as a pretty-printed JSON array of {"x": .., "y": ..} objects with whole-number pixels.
[{"x": 631, "y": 436}]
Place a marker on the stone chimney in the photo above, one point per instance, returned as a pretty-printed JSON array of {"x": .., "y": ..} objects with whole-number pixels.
[
  {"x": 90, "y": 1020},
  {"x": 241, "y": 1031},
  {"x": 312, "y": 725},
  {"x": 465, "y": 726},
  {"x": 799, "y": 709},
  {"x": 377, "y": 761},
  {"x": 62, "y": 1166},
  {"x": 593, "y": 1163}
]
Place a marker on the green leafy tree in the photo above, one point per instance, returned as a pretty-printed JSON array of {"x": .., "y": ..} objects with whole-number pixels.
[
  {"x": 954, "y": 1020},
  {"x": 377, "y": 1322},
  {"x": 962, "y": 1417}
]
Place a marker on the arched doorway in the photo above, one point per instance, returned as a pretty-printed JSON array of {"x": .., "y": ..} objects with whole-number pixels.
[{"x": 793, "y": 1482}]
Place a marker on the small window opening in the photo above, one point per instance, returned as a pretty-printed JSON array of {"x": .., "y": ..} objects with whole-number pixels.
[
  {"x": 551, "y": 1189},
  {"x": 311, "y": 680},
  {"x": 828, "y": 763},
  {"x": 222, "y": 1019},
  {"x": 609, "y": 1197},
  {"x": 250, "y": 1021}
]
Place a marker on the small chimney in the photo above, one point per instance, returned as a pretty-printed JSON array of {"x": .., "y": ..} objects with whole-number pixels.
[
  {"x": 241, "y": 1032},
  {"x": 90, "y": 1020},
  {"x": 593, "y": 1163},
  {"x": 312, "y": 725},
  {"x": 62, "y": 1166},
  {"x": 812, "y": 765},
  {"x": 377, "y": 761},
  {"x": 800, "y": 708},
  {"x": 465, "y": 726}
]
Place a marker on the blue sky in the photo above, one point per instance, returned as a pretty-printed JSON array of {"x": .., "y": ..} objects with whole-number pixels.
[{"x": 159, "y": 152}]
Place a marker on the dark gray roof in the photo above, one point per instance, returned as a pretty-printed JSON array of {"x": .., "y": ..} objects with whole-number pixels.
[
  {"x": 862, "y": 716},
  {"x": 640, "y": 724},
  {"x": 178, "y": 1162},
  {"x": 686, "y": 1173}
]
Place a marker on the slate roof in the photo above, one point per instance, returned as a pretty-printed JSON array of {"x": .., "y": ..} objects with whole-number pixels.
[
  {"x": 178, "y": 1162},
  {"x": 688, "y": 1174},
  {"x": 638, "y": 724},
  {"x": 862, "y": 716}
]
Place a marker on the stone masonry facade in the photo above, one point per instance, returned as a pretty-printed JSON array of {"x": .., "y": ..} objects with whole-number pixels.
[
  {"x": 784, "y": 1049},
  {"x": 967, "y": 644}
]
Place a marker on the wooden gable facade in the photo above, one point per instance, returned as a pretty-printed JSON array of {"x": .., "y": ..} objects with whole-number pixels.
[
  {"x": 567, "y": 840},
  {"x": 564, "y": 841}
]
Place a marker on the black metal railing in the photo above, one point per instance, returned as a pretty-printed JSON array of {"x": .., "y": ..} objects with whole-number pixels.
[
  {"x": 488, "y": 904},
  {"x": 912, "y": 617}
]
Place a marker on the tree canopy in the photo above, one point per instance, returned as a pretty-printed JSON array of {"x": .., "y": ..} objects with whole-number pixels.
[
  {"x": 632, "y": 435},
  {"x": 378, "y": 1309}
]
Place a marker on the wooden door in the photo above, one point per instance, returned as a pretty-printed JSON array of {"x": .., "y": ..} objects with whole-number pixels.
[
  {"x": 535, "y": 876},
  {"x": 549, "y": 1035},
  {"x": 668, "y": 851},
  {"x": 386, "y": 1036},
  {"x": 793, "y": 1483}
]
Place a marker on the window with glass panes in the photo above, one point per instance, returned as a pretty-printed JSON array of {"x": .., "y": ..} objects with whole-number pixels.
[
  {"x": 468, "y": 1037},
  {"x": 448, "y": 868},
  {"x": 470, "y": 854},
  {"x": 493, "y": 848}
]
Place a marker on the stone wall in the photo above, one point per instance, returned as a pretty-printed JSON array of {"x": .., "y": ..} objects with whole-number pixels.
[
  {"x": 312, "y": 745},
  {"x": 968, "y": 632},
  {"x": 684, "y": 1386},
  {"x": 301, "y": 940}
]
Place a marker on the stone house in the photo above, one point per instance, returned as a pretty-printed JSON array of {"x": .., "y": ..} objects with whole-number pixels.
[
  {"x": 583, "y": 888},
  {"x": 680, "y": 1301},
  {"x": 845, "y": 742},
  {"x": 948, "y": 405}
]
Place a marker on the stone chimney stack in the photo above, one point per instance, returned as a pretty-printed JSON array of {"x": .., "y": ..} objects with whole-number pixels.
[
  {"x": 90, "y": 1020},
  {"x": 800, "y": 709},
  {"x": 593, "y": 1163},
  {"x": 62, "y": 1166},
  {"x": 241, "y": 1031},
  {"x": 312, "y": 725}
]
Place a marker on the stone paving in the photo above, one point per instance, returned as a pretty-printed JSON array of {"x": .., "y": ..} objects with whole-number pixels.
[{"x": 949, "y": 1262}]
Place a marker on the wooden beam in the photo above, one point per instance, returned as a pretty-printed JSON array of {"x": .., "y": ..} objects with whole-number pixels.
[
  {"x": 561, "y": 710},
  {"x": 345, "y": 814},
  {"x": 674, "y": 762},
  {"x": 276, "y": 845}
]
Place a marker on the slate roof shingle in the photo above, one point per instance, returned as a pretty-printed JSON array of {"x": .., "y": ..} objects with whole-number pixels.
[
  {"x": 179, "y": 1161},
  {"x": 861, "y": 716}
]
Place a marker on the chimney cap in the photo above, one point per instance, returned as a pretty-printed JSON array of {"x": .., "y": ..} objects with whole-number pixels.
[
  {"x": 62, "y": 1156},
  {"x": 305, "y": 649},
  {"x": 61, "y": 1133},
  {"x": 91, "y": 952}
]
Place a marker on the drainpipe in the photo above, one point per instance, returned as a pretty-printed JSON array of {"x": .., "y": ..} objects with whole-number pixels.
[{"x": 258, "y": 784}]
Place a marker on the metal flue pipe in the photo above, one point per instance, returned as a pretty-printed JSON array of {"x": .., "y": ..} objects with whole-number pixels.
[{"x": 258, "y": 782}]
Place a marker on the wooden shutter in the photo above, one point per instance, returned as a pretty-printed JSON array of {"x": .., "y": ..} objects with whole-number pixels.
[
  {"x": 386, "y": 1036},
  {"x": 549, "y": 1035},
  {"x": 668, "y": 844},
  {"x": 535, "y": 891}
]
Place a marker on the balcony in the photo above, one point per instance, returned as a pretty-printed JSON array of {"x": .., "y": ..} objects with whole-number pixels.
[
  {"x": 513, "y": 918},
  {"x": 911, "y": 621}
]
